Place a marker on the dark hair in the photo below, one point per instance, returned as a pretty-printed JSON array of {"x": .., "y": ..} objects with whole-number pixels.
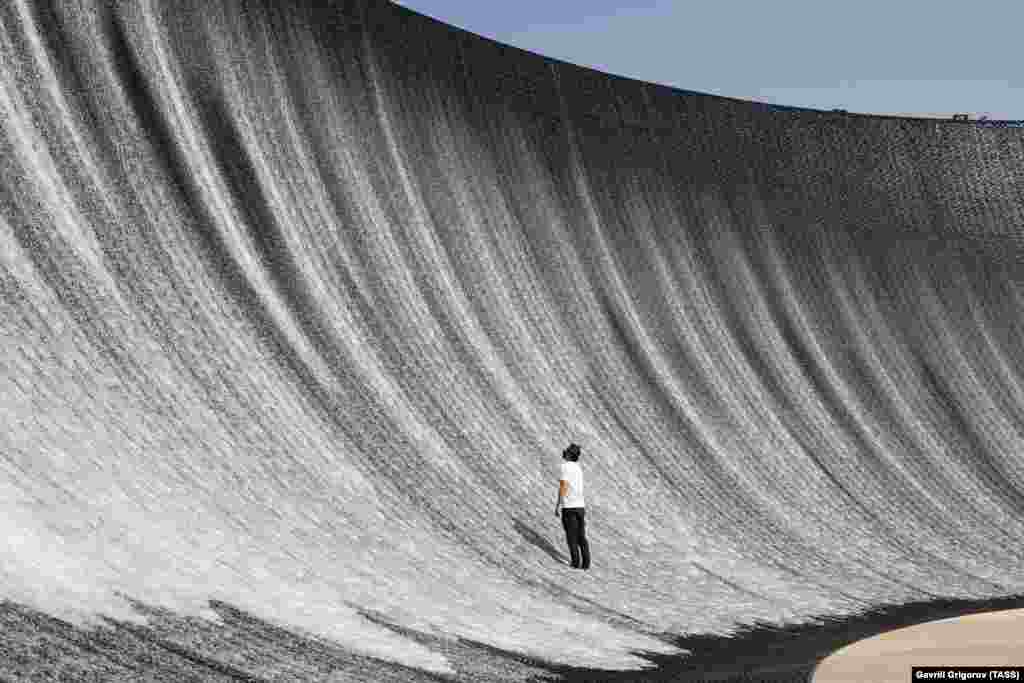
[{"x": 572, "y": 452}]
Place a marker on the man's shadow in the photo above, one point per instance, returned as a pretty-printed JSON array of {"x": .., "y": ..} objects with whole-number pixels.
[{"x": 535, "y": 539}]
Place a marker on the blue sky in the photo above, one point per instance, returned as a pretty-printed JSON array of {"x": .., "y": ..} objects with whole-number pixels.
[{"x": 907, "y": 57}]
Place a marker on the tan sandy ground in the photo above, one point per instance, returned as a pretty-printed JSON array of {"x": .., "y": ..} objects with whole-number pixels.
[{"x": 989, "y": 639}]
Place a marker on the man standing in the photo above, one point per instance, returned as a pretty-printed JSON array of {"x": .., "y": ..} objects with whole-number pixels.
[{"x": 570, "y": 499}]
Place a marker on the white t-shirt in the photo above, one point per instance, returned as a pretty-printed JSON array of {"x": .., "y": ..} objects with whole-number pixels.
[{"x": 572, "y": 473}]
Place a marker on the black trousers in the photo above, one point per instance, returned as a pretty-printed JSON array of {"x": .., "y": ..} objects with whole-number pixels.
[{"x": 576, "y": 535}]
